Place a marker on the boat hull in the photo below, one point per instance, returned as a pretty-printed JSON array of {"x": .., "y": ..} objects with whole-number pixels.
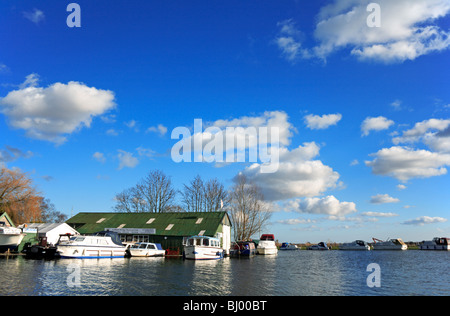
[
  {"x": 267, "y": 250},
  {"x": 203, "y": 253},
  {"x": 147, "y": 253},
  {"x": 10, "y": 241},
  {"x": 86, "y": 252},
  {"x": 390, "y": 247}
]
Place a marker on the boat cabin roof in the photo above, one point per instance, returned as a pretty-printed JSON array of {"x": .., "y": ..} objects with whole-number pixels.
[{"x": 270, "y": 237}]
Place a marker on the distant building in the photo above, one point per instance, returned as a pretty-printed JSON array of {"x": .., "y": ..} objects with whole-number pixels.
[
  {"x": 169, "y": 229},
  {"x": 51, "y": 231}
]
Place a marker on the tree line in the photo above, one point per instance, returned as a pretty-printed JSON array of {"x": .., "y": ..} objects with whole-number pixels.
[{"x": 243, "y": 201}]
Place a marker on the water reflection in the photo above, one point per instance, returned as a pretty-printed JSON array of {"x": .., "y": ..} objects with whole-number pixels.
[{"x": 289, "y": 273}]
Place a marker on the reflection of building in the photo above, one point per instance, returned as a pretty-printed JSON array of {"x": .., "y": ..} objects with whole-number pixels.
[{"x": 168, "y": 229}]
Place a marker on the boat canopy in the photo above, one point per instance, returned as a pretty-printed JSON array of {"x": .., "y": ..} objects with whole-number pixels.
[
  {"x": 114, "y": 236},
  {"x": 270, "y": 237}
]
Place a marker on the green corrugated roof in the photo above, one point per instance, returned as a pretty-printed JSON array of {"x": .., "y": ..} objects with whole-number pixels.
[{"x": 184, "y": 224}]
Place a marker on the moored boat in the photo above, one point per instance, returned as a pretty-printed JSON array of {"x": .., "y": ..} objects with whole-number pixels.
[
  {"x": 288, "y": 246},
  {"x": 10, "y": 237},
  {"x": 356, "y": 245},
  {"x": 203, "y": 248},
  {"x": 320, "y": 246},
  {"x": 389, "y": 244},
  {"x": 243, "y": 249},
  {"x": 266, "y": 245},
  {"x": 146, "y": 249},
  {"x": 438, "y": 243},
  {"x": 104, "y": 244}
]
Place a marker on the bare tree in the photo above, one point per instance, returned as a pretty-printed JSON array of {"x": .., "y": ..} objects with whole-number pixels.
[
  {"x": 154, "y": 193},
  {"x": 248, "y": 211},
  {"x": 193, "y": 195},
  {"x": 216, "y": 197}
]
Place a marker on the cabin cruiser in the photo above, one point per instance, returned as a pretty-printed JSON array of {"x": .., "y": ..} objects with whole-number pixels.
[
  {"x": 389, "y": 244},
  {"x": 436, "y": 244},
  {"x": 243, "y": 249},
  {"x": 356, "y": 245},
  {"x": 266, "y": 245},
  {"x": 10, "y": 237},
  {"x": 103, "y": 244},
  {"x": 288, "y": 246},
  {"x": 320, "y": 246},
  {"x": 203, "y": 248},
  {"x": 146, "y": 249}
]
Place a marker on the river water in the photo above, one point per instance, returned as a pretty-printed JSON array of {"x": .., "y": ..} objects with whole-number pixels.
[{"x": 290, "y": 273}]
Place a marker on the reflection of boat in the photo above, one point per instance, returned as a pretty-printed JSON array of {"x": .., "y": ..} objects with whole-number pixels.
[
  {"x": 146, "y": 249},
  {"x": 288, "y": 246},
  {"x": 320, "y": 246},
  {"x": 356, "y": 245},
  {"x": 203, "y": 248},
  {"x": 100, "y": 245},
  {"x": 436, "y": 244},
  {"x": 389, "y": 244},
  {"x": 243, "y": 249},
  {"x": 266, "y": 245},
  {"x": 10, "y": 237}
]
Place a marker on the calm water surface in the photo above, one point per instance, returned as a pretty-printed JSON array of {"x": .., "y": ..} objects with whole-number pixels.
[{"x": 289, "y": 273}]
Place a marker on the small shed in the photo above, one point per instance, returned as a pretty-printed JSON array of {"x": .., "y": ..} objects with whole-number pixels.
[
  {"x": 169, "y": 229},
  {"x": 51, "y": 230}
]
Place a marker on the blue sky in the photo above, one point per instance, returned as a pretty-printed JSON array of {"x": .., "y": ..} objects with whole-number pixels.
[{"x": 364, "y": 111}]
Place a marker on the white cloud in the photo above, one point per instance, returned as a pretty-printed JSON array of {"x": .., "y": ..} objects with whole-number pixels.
[
  {"x": 328, "y": 205},
  {"x": 408, "y": 30},
  {"x": 435, "y": 133},
  {"x": 36, "y": 16},
  {"x": 100, "y": 157},
  {"x": 401, "y": 187},
  {"x": 160, "y": 129},
  {"x": 379, "y": 214},
  {"x": 60, "y": 109},
  {"x": 288, "y": 41},
  {"x": 297, "y": 176},
  {"x": 126, "y": 159},
  {"x": 375, "y": 124},
  {"x": 295, "y": 221},
  {"x": 383, "y": 199},
  {"x": 322, "y": 122},
  {"x": 405, "y": 163},
  {"x": 420, "y": 221}
]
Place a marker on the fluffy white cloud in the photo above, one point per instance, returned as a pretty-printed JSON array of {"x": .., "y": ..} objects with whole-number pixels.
[
  {"x": 408, "y": 29},
  {"x": 288, "y": 41},
  {"x": 375, "y": 124},
  {"x": 435, "y": 133},
  {"x": 405, "y": 163},
  {"x": 160, "y": 129},
  {"x": 328, "y": 205},
  {"x": 322, "y": 122},
  {"x": 59, "y": 109},
  {"x": 100, "y": 157},
  {"x": 126, "y": 159},
  {"x": 297, "y": 176},
  {"x": 420, "y": 221},
  {"x": 383, "y": 199}
]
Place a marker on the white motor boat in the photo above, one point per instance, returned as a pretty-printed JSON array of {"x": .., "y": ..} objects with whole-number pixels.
[
  {"x": 288, "y": 246},
  {"x": 320, "y": 246},
  {"x": 436, "y": 244},
  {"x": 203, "y": 248},
  {"x": 100, "y": 245},
  {"x": 389, "y": 244},
  {"x": 266, "y": 245},
  {"x": 10, "y": 237},
  {"x": 146, "y": 249},
  {"x": 356, "y": 245}
]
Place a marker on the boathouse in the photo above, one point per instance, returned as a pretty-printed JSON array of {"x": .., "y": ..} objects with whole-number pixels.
[{"x": 169, "y": 229}]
